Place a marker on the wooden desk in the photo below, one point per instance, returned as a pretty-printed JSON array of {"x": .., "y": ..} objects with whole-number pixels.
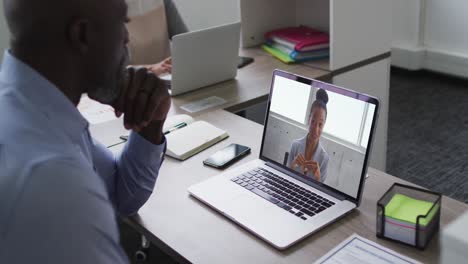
[{"x": 191, "y": 231}]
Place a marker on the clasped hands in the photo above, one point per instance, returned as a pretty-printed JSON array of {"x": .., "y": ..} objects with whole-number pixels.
[
  {"x": 307, "y": 165},
  {"x": 143, "y": 99}
]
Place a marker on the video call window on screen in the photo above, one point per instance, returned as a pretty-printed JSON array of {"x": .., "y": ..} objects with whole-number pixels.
[{"x": 321, "y": 134}]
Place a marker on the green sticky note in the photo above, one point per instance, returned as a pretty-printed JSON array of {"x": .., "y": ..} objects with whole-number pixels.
[{"x": 405, "y": 208}]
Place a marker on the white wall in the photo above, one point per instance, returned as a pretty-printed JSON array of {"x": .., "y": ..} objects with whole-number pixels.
[
  {"x": 194, "y": 14},
  {"x": 260, "y": 16},
  {"x": 359, "y": 30},
  {"x": 407, "y": 34},
  {"x": 201, "y": 14},
  {"x": 276, "y": 129},
  {"x": 446, "y": 25},
  {"x": 431, "y": 34},
  {"x": 405, "y": 23},
  {"x": 319, "y": 20},
  {"x": 139, "y": 7},
  {"x": 446, "y": 36},
  {"x": 4, "y": 34}
]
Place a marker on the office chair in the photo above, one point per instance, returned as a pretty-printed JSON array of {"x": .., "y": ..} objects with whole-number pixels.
[
  {"x": 148, "y": 34},
  {"x": 142, "y": 254},
  {"x": 285, "y": 159}
]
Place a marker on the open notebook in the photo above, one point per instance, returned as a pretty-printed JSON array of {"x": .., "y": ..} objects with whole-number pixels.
[{"x": 187, "y": 137}]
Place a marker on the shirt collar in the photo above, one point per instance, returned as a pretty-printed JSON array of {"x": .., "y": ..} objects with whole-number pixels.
[{"x": 43, "y": 95}]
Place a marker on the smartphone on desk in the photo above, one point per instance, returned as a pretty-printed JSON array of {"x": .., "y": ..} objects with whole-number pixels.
[
  {"x": 244, "y": 61},
  {"x": 228, "y": 155}
]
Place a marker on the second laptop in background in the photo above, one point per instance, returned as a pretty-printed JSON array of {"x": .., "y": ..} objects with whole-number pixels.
[{"x": 204, "y": 57}]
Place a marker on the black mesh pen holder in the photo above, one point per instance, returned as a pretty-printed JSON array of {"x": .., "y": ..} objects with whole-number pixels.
[{"x": 416, "y": 234}]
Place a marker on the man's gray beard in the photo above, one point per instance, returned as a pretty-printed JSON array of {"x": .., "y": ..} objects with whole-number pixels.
[{"x": 108, "y": 94}]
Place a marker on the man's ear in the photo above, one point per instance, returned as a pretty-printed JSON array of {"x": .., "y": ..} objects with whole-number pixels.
[{"x": 79, "y": 35}]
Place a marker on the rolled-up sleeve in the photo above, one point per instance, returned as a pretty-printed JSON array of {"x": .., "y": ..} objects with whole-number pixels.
[{"x": 137, "y": 170}]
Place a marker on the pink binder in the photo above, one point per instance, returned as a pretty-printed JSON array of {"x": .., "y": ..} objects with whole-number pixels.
[{"x": 298, "y": 38}]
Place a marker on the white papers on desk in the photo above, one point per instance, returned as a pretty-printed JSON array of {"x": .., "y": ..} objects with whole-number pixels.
[
  {"x": 358, "y": 250},
  {"x": 94, "y": 111},
  {"x": 203, "y": 104}
]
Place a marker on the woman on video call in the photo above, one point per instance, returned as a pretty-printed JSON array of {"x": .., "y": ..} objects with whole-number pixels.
[{"x": 307, "y": 154}]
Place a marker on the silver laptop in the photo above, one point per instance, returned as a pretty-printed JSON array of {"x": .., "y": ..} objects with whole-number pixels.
[
  {"x": 312, "y": 163},
  {"x": 203, "y": 57}
]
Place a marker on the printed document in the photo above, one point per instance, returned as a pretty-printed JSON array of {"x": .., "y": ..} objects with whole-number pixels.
[{"x": 358, "y": 250}]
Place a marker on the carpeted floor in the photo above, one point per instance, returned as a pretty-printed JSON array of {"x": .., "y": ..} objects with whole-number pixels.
[{"x": 428, "y": 131}]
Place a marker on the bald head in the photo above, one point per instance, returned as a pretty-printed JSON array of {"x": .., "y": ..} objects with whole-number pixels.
[
  {"x": 79, "y": 45},
  {"x": 44, "y": 22}
]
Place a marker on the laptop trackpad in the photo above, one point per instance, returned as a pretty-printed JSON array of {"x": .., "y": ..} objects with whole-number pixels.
[
  {"x": 246, "y": 206},
  {"x": 265, "y": 219},
  {"x": 254, "y": 208}
]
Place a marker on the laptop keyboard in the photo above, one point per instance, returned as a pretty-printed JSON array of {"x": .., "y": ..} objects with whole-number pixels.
[{"x": 283, "y": 193}]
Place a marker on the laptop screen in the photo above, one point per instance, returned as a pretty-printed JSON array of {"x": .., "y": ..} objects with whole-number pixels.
[{"x": 320, "y": 131}]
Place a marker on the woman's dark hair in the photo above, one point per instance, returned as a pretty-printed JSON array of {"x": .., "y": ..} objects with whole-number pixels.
[{"x": 321, "y": 100}]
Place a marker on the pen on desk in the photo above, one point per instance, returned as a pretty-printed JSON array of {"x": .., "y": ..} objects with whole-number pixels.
[{"x": 178, "y": 126}]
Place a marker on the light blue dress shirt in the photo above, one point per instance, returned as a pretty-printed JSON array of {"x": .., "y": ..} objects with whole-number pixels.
[
  {"x": 320, "y": 155},
  {"x": 60, "y": 189}
]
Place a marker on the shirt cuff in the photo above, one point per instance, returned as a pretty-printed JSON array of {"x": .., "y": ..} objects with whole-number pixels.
[{"x": 145, "y": 151}]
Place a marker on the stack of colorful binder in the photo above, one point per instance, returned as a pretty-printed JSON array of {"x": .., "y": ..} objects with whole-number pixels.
[{"x": 297, "y": 44}]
